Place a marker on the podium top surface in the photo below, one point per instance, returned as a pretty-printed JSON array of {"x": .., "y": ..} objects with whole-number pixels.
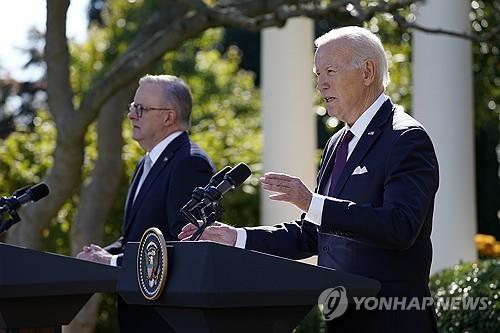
[
  {"x": 207, "y": 274},
  {"x": 28, "y": 273}
]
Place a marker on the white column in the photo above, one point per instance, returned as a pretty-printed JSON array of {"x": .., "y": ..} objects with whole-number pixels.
[
  {"x": 443, "y": 102},
  {"x": 288, "y": 118}
]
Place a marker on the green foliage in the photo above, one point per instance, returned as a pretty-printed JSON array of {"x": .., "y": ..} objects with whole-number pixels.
[
  {"x": 91, "y": 59},
  {"x": 484, "y": 16},
  {"x": 107, "y": 319},
  {"x": 23, "y": 155},
  {"x": 225, "y": 119},
  {"x": 25, "y": 158},
  {"x": 479, "y": 279},
  {"x": 225, "y": 123},
  {"x": 398, "y": 52},
  {"x": 470, "y": 280},
  {"x": 312, "y": 323}
]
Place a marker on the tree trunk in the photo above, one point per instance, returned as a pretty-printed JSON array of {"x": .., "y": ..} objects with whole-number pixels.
[
  {"x": 63, "y": 178},
  {"x": 99, "y": 193},
  {"x": 65, "y": 174}
]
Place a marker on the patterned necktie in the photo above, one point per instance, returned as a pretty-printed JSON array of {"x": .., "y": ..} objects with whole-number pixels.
[
  {"x": 145, "y": 170},
  {"x": 340, "y": 161}
]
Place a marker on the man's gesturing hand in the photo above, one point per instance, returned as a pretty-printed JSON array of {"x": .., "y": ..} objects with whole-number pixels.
[
  {"x": 217, "y": 232},
  {"x": 288, "y": 188}
]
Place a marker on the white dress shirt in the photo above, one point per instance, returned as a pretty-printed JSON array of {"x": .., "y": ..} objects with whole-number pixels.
[
  {"x": 316, "y": 207},
  {"x": 155, "y": 153}
]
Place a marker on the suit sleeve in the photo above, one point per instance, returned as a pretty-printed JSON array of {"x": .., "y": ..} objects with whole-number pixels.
[
  {"x": 294, "y": 240},
  {"x": 190, "y": 173},
  {"x": 411, "y": 181}
]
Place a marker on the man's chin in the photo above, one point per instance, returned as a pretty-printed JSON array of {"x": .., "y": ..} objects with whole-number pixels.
[{"x": 331, "y": 112}]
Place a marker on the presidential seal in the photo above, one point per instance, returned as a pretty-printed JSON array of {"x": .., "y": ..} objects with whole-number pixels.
[{"x": 152, "y": 264}]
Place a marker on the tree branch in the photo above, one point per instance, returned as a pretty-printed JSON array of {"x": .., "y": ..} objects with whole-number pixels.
[
  {"x": 489, "y": 37},
  {"x": 133, "y": 62},
  {"x": 248, "y": 15},
  {"x": 60, "y": 95}
]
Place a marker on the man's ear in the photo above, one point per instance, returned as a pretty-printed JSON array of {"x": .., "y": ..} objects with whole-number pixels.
[
  {"x": 170, "y": 118},
  {"x": 368, "y": 72}
]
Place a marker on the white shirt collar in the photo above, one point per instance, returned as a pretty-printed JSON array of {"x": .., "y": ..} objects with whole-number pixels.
[
  {"x": 155, "y": 153},
  {"x": 359, "y": 127}
]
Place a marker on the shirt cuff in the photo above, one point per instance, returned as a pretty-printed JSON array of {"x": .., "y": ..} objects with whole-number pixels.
[
  {"x": 315, "y": 209},
  {"x": 241, "y": 238},
  {"x": 114, "y": 259}
]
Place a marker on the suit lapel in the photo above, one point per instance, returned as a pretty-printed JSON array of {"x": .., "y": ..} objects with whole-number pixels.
[
  {"x": 131, "y": 191},
  {"x": 362, "y": 147},
  {"x": 370, "y": 135},
  {"x": 157, "y": 169},
  {"x": 327, "y": 165}
]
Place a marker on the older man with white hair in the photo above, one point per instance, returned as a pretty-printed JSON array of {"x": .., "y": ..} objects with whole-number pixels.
[{"x": 371, "y": 213}]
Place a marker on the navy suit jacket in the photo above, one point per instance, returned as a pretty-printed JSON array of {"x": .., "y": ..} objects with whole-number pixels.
[
  {"x": 377, "y": 224},
  {"x": 181, "y": 167}
]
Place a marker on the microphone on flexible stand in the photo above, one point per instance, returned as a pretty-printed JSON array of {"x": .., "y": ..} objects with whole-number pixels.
[
  {"x": 25, "y": 195},
  {"x": 199, "y": 192},
  {"x": 19, "y": 198},
  {"x": 213, "y": 195}
]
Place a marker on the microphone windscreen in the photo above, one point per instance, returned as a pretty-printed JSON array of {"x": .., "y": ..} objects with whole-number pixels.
[
  {"x": 238, "y": 174},
  {"x": 38, "y": 191},
  {"x": 219, "y": 176}
]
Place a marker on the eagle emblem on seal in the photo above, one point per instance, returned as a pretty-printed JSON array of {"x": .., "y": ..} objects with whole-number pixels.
[{"x": 152, "y": 264}]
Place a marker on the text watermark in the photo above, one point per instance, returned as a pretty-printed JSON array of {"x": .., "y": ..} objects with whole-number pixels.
[{"x": 333, "y": 303}]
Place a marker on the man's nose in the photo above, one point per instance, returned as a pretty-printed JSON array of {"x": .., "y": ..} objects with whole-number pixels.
[
  {"x": 132, "y": 115},
  {"x": 322, "y": 84}
]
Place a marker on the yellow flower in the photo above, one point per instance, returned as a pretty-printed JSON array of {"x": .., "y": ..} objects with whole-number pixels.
[{"x": 487, "y": 245}]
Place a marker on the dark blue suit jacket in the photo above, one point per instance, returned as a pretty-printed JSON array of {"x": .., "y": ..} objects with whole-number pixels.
[
  {"x": 181, "y": 167},
  {"x": 377, "y": 224}
]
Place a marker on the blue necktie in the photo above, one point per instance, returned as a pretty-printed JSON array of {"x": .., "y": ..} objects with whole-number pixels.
[{"x": 340, "y": 160}]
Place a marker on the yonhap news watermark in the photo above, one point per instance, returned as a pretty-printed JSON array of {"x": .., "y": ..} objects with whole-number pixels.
[{"x": 333, "y": 303}]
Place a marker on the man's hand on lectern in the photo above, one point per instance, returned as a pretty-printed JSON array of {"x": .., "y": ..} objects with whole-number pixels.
[
  {"x": 95, "y": 253},
  {"x": 217, "y": 232}
]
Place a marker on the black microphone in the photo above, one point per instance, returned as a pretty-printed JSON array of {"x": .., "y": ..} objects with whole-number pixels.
[
  {"x": 34, "y": 193},
  {"x": 218, "y": 177},
  {"x": 20, "y": 197},
  {"x": 199, "y": 192},
  {"x": 213, "y": 195},
  {"x": 20, "y": 191},
  {"x": 232, "y": 179}
]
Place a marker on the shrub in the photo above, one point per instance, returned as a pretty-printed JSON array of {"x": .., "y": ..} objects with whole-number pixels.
[{"x": 479, "y": 279}]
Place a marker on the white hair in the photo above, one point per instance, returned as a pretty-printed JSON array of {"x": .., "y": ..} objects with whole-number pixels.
[
  {"x": 362, "y": 45},
  {"x": 176, "y": 90}
]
